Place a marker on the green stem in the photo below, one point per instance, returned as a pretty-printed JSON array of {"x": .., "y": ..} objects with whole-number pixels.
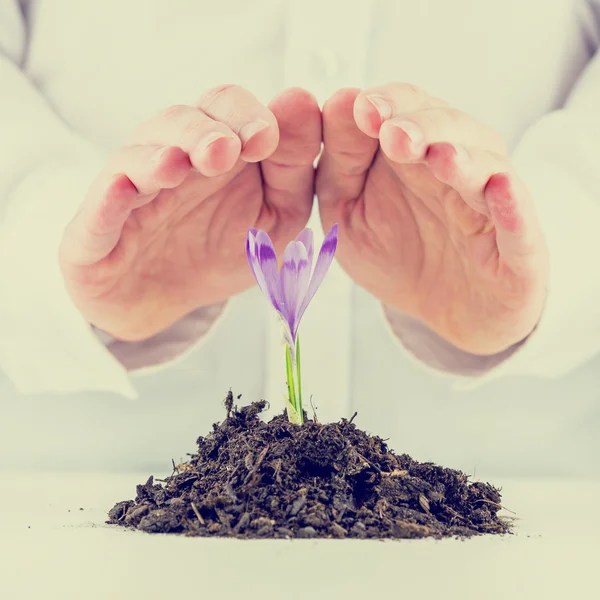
[
  {"x": 299, "y": 379},
  {"x": 294, "y": 400}
]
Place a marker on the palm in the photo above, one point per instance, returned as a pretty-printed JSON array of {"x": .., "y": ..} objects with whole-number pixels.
[
  {"x": 183, "y": 246},
  {"x": 187, "y": 246},
  {"x": 417, "y": 245},
  {"x": 438, "y": 263}
]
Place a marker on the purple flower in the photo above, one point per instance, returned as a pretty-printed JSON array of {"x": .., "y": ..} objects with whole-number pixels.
[{"x": 290, "y": 289}]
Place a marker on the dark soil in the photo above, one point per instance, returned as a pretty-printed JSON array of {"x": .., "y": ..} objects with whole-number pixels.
[{"x": 251, "y": 479}]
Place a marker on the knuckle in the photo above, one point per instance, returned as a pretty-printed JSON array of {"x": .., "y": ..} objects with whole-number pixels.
[
  {"x": 144, "y": 130},
  {"x": 174, "y": 112},
  {"x": 195, "y": 129},
  {"x": 216, "y": 94},
  {"x": 446, "y": 114},
  {"x": 403, "y": 92},
  {"x": 408, "y": 88},
  {"x": 430, "y": 121}
]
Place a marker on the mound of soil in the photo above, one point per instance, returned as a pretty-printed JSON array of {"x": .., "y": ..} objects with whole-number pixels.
[{"x": 251, "y": 479}]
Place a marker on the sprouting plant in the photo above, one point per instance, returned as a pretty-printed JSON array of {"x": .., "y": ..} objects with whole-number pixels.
[{"x": 290, "y": 290}]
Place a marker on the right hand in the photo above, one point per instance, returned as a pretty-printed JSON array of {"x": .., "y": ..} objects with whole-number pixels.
[{"x": 162, "y": 230}]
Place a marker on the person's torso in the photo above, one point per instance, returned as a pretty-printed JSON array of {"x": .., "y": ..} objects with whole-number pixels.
[{"x": 107, "y": 66}]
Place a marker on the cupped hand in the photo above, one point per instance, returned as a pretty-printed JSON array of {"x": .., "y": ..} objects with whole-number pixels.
[
  {"x": 433, "y": 219},
  {"x": 162, "y": 229}
]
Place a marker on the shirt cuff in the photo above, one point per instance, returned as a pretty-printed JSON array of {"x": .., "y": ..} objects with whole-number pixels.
[
  {"x": 46, "y": 346},
  {"x": 435, "y": 352},
  {"x": 169, "y": 346}
]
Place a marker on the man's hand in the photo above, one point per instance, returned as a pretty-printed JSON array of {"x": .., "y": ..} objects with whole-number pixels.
[
  {"x": 433, "y": 220},
  {"x": 162, "y": 230}
]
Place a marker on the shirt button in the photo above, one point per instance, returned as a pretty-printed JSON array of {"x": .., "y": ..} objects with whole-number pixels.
[{"x": 325, "y": 62}]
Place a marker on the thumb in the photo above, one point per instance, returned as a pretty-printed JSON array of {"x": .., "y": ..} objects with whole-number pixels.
[
  {"x": 347, "y": 156},
  {"x": 288, "y": 174}
]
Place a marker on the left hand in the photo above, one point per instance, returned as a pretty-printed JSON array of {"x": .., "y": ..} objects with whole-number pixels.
[{"x": 433, "y": 220}]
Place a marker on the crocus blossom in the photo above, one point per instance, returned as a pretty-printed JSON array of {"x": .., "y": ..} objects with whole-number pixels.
[{"x": 290, "y": 290}]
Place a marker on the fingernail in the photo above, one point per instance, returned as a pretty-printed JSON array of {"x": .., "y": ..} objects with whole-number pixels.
[
  {"x": 384, "y": 108},
  {"x": 249, "y": 130},
  {"x": 412, "y": 131},
  {"x": 209, "y": 139}
]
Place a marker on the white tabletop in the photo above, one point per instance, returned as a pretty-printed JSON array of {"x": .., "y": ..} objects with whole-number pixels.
[{"x": 50, "y": 549}]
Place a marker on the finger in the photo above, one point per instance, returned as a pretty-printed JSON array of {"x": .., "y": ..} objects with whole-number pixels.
[
  {"x": 489, "y": 196},
  {"x": 376, "y": 105},
  {"x": 252, "y": 121},
  {"x": 347, "y": 154},
  {"x": 150, "y": 168},
  {"x": 288, "y": 174},
  {"x": 228, "y": 123},
  {"x": 499, "y": 211},
  {"x": 405, "y": 138},
  {"x": 94, "y": 231},
  {"x": 467, "y": 170},
  {"x": 212, "y": 146},
  {"x": 133, "y": 177},
  {"x": 518, "y": 235}
]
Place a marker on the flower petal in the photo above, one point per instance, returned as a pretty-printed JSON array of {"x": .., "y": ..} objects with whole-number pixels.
[
  {"x": 263, "y": 262},
  {"x": 287, "y": 334},
  {"x": 251, "y": 249},
  {"x": 324, "y": 261},
  {"x": 306, "y": 237},
  {"x": 295, "y": 277}
]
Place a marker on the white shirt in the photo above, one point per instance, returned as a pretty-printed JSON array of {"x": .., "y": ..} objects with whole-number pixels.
[{"x": 77, "y": 77}]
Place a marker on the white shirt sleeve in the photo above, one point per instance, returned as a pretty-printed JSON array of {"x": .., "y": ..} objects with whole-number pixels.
[
  {"x": 559, "y": 159},
  {"x": 45, "y": 170}
]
